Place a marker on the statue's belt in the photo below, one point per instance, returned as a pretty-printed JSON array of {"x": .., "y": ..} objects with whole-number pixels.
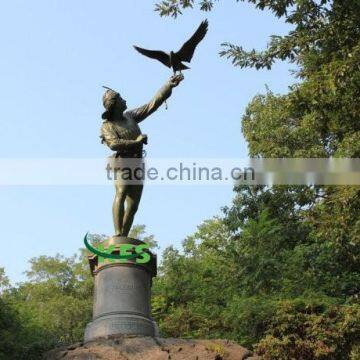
[{"x": 127, "y": 155}]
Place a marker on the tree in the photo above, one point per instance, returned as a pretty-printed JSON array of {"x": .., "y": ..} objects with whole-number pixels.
[
  {"x": 10, "y": 325},
  {"x": 4, "y": 280},
  {"x": 317, "y": 118},
  {"x": 139, "y": 232},
  {"x": 51, "y": 308},
  {"x": 296, "y": 244}
]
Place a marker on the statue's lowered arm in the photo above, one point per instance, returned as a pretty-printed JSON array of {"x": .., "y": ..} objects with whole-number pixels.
[
  {"x": 110, "y": 138},
  {"x": 142, "y": 112}
]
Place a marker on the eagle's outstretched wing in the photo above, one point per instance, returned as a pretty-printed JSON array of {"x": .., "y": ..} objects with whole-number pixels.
[
  {"x": 155, "y": 54},
  {"x": 187, "y": 50}
]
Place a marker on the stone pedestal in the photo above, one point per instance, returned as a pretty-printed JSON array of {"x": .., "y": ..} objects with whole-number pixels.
[{"x": 122, "y": 294}]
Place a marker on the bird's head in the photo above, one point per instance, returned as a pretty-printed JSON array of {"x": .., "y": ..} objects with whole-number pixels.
[{"x": 113, "y": 103}]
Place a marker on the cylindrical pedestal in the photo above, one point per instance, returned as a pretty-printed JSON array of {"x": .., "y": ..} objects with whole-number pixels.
[{"x": 122, "y": 295}]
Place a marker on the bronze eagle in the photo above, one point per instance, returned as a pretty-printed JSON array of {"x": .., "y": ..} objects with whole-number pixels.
[{"x": 174, "y": 59}]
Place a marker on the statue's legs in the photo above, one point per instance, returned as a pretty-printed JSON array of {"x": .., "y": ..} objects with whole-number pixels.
[
  {"x": 133, "y": 196},
  {"x": 118, "y": 207}
]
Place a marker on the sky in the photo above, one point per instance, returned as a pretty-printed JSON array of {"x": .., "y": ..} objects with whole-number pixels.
[{"x": 55, "y": 57}]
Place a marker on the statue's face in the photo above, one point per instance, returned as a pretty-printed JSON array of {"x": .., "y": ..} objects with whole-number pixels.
[{"x": 120, "y": 103}]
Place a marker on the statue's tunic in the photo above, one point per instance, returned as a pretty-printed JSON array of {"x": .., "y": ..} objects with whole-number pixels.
[{"x": 120, "y": 135}]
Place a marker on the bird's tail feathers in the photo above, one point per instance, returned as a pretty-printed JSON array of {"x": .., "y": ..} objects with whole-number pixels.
[{"x": 183, "y": 67}]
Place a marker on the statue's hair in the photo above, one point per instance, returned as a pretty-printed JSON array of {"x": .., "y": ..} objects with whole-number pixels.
[{"x": 109, "y": 99}]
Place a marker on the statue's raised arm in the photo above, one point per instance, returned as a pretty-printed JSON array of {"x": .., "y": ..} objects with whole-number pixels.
[{"x": 142, "y": 112}]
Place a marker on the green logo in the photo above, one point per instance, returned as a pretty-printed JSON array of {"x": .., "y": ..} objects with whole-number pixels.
[{"x": 126, "y": 252}]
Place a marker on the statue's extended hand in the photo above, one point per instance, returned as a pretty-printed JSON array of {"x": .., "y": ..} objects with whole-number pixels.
[
  {"x": 142, "y": 139},
  {"x": 176, "y": 79}
]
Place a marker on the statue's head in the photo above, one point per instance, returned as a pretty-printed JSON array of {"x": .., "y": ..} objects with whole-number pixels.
[{"x": 112, "y": 102}]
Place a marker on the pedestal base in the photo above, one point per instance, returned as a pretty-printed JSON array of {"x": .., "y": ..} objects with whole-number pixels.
[
  {"x": 122, "y": 293},
  {"x": 120, "y": 324}
]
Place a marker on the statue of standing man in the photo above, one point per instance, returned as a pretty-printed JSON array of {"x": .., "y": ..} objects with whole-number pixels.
[{"x": 121, "y": 133}]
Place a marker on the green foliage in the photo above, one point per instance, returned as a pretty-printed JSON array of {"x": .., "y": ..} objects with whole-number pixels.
[
  {"x": 248, "y": 317},
  {"x": 304, "y": 331},
  {"x": 9, "y": 329},
  {"x": 286, "y": 262},
  {"x": 173, "y": 7},
  {"x": 50, "y": 309},
  {"x": 282, "y": 245},
  {"x": 4, "y": 280},
  {"x": 250, "y": 285},
  {"x": 139, "y": 232}
]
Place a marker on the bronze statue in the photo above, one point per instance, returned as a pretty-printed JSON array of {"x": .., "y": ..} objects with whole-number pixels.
[
  {"x": 121, "y": 133},
  {"x": 174, "y": 59}
]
